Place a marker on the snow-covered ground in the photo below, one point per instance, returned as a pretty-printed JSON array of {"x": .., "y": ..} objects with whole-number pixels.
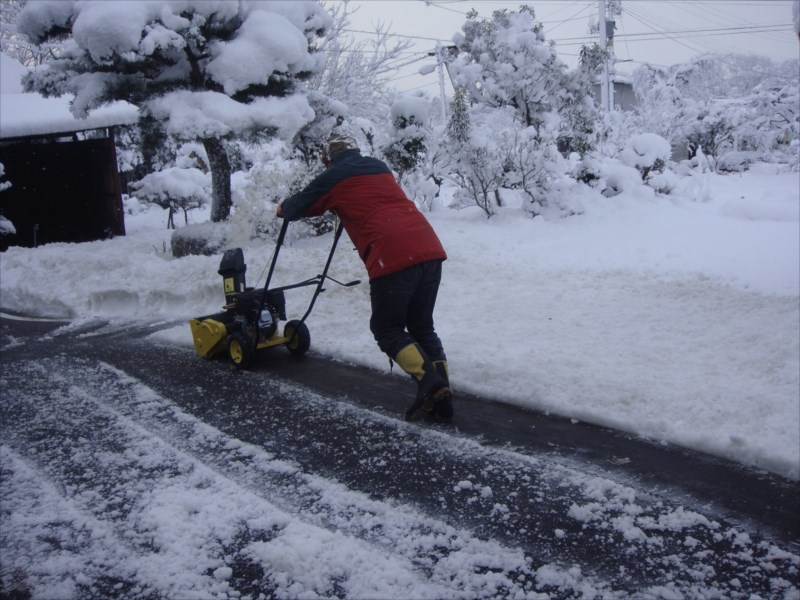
[{"x": 672, "y": 318}]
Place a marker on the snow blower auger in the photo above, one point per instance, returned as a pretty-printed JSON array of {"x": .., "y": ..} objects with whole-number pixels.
[{"x": 250, "y": 319}]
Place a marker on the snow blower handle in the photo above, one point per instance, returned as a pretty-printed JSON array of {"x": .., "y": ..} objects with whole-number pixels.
[
  {"x": 341, "y": 283},
  {"x": 278, "y": 245},
  {"x": 337, "y": 234}
]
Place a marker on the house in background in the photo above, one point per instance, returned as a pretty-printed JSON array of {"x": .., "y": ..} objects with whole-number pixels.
[
  {"x": 65, "y": 185},
  {"x": 624, "y": 97}
]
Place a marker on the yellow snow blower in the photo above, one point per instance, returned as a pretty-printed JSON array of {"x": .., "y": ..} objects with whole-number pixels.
[{"x": 250, "y": 318}]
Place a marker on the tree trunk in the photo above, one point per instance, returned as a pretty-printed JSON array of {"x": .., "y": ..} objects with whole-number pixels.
[
  {"x": 497, "y": 198},
  {"x": 220, "y": 179}
]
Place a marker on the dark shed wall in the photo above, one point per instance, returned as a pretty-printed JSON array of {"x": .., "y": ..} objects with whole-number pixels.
[{"x": 61, "y": 192}]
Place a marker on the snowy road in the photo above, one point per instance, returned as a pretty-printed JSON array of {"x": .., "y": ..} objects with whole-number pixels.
[{"x": 133, "y": 469}]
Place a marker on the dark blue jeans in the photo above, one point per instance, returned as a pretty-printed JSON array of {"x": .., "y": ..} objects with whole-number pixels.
[{"x": 402, "y": 309}]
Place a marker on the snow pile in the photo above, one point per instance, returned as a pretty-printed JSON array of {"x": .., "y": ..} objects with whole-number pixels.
[{"x": 674, "y": 319}]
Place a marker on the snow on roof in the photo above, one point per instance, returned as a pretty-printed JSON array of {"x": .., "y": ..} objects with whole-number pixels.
[{"x": 27, "y": 114}]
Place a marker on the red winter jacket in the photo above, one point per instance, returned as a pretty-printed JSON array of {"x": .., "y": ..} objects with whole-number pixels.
[{"x": 385, "y": 226}]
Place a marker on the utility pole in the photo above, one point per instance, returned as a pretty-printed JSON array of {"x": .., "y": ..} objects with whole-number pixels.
[
  {"x": 440, "y": 61},
  {"x": 606, "y": 27},
  {"x": 443, "y": 54}
]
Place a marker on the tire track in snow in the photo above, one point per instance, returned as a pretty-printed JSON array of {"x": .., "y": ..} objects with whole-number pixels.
[
  {"x": 438, "y": 558},
  {"x": 633, "y": 541},
  {"x": 189, "y": 529}
]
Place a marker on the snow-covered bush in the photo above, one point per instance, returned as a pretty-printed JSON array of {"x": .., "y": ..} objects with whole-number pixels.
[
  {"x": 736, "y": 161},
  {"x": 421, "y": 187},
  {"x": 524, "y": 100},
  {"x": 173, "y": 189},
  {"x": 772, "y": 125},
  {"x": 646, "y": 152},
  {"x": 618, "y": 178},
  {"x": 531, "y": 163},
  {"x": 611, "y": 176},
  {"x": 712, "y": 129},
  {"x": 588, "y": 170},
  {"x": 275, "y": 174},
  {"x": 663, "y": 182},
  {"x": 615, "y": 131},
  {"x": 200, "y": 239}
]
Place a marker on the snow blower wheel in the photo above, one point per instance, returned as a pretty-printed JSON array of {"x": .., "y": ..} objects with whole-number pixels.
[
  {"x": 299, "y": 337},
  {"x": 240, "y": 350}
]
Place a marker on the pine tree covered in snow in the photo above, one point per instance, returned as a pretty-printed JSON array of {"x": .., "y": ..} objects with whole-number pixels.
[
  {"x": 209, "y": 71},
  {"x": 458, "y": 125},
  {"x": 506, "y": 62},
  {"x": 407, "y": 147},
  {"x": 474, "y": 156}
]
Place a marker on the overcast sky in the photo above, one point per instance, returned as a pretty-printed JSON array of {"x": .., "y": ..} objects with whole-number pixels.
[{"x": 662, "y": 32}]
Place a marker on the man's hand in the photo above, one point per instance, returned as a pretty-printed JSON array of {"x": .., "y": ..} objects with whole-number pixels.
[{"x": 279, "y": 210}]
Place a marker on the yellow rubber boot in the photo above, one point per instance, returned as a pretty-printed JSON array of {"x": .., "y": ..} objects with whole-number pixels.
[
  {"x": 431, "y": 387},
  {"x": 411, "y": 361}
]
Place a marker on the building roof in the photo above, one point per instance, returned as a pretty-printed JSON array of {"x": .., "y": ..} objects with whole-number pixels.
[{"x": 28, "y": 114}]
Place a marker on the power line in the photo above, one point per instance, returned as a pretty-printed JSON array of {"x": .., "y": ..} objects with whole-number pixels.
[
  {"x": 572, "y": 18},
  {"x": 710, "y": 32},
  {"x": 661, "y": 30},
  {"x": 400, "y": 35},
  {"x": 587, "y": 4},
  {"x": 645, "y": 16}
]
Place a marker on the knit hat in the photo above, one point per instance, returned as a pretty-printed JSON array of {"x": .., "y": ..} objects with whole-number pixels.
[{"x": 336, "y": 144}]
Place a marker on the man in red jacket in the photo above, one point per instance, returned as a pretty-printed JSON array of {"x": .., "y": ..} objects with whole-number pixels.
[{"x": 403, "y": 257}]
